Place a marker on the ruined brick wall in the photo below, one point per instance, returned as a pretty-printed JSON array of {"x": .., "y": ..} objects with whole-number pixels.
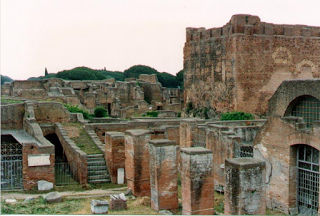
[
  {"x": 51, "y": 112},
  {"x": 33, "y": 174},
  {"x": 288, "y": 91},
  {"x": 240, "y": 65},
  {"x": 276, "y": 144},
  {"x": 150, "y": 78},
  {"x": 12, "y": 116}
]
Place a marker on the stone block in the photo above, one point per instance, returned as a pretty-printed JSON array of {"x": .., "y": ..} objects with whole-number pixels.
[
  {"x": 28, "y": 199},
  {"x": 137, "y": 161},
  {"x": 197, "y": 184},
  {"x": 44, "y": 185},
  {"x": 245, "y": 187},
  {"x": 163, "y": 175},
  {"x": 120, "y": 178},
  {"x": 99, "y": 206},
  {"x": 118, "y": 202},
  {"x": 53, "y": 197},
  {"x": 10, "y": 201}
]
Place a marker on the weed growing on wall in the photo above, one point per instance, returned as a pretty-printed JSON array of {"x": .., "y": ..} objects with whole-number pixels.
[{"x": 236, "y": 116}]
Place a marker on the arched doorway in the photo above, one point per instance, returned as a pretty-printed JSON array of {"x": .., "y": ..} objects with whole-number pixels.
[
  {"x": 306, "y": 107},
  {"x": 63, "y": 172},
  {"x": 308, "y": 180},
  {"x": 11, "y": 163}
]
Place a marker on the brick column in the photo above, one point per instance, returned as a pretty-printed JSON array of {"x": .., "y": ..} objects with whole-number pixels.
[
  {"x": 163, "y": 175},
  {"x": 114, "y": 153},
  {"x": 245, "y": 189},
  {"x": 197, "y": 185},
  {"x": 187, "y": 127},
  {"x": 137, "y": 161}
]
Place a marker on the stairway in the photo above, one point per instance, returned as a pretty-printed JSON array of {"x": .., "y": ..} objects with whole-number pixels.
[{"x": 97, "y": 169}]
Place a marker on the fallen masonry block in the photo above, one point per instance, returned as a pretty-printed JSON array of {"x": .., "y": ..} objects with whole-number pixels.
[
  {"x": 53, "y": 197},
  {"x": 118, "y": 202},
  {"x": 99, "y": 206},
  {"x": 44, "y": 185},
  {"x": 11, "y": 201}
]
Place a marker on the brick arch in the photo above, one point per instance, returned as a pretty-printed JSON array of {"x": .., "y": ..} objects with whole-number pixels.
[
  {"x": 304, "y": 139},
  {"x": 290, "y": 90}
]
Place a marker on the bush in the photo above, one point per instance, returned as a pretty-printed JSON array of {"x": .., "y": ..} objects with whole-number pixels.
[
  {"x": 76, "y": 109},
  {"x": 152, "y": 114},
  {"x": 100, "y": 111},
  {"x": 189, "y": 107},
  {"x": 236, "y": 116}
]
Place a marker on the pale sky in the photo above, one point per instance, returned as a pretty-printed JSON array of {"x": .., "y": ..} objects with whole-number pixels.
[{"x": 117, "y": 34}]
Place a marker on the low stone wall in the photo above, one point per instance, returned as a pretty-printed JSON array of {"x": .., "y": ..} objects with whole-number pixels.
[
  {"x": 76, "y": 158},
  {"x": 12, "y": 116}
]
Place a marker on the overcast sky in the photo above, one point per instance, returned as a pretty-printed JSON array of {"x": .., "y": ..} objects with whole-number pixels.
[{"x": 117, "y": 34}]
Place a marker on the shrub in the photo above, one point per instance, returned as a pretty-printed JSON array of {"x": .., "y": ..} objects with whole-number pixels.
[
  {"x": 236, "y": 116},
  {"x": 76, "y": 109},
  {"x": 100, "y": 111},
  {"x": 189, "y": 107},
  {"x": 152, "y": 114}
]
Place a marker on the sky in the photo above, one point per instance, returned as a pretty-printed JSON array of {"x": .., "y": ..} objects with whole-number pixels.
[{"x": 117, "y": 34}]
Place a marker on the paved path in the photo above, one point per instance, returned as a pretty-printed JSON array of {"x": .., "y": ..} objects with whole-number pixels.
[{"x": 66, "y": 194}]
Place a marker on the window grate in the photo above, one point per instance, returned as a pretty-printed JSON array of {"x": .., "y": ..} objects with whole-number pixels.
[
  {"x": 307, "y": 108},
  {"x": 308, "y": 180}
]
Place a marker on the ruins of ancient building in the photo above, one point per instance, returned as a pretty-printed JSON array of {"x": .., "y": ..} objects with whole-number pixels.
[
  {"x": 263, "y": 163},
  {"x": 122, "y": 99},
  {"x": 240, "y": 65}
]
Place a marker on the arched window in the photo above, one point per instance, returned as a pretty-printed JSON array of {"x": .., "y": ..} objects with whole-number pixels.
[{"x": 306, "y": 107}]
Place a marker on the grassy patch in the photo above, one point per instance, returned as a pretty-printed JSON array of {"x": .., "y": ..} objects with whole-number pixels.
[
  {"x": 39, "y": 206},
  {"x": 273, "y": 212},
  {"x": 218, "y": 202},
  {"x": 10, "y": 101},
  {"x": 83, "y": 141}
]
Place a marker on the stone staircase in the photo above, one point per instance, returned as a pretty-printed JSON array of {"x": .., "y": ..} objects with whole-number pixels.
[{"x": 97, "y": 169}]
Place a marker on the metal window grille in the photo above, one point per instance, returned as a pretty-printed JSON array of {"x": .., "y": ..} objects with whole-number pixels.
[
  {"x": 308, "y": 108},
  {"x": 11, "y": 166},
  {"x": 243, "y": 150},
  {"x": 199, "y": 139},
  {"x": 63, "y": 174},
  {"x": 308, "y": 180}
]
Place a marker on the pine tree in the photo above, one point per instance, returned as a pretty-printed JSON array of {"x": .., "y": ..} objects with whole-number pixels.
[{"x": 45, "y": 72}]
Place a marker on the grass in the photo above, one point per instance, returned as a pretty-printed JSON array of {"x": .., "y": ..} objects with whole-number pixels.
[
  {"x": 39, "y": 206},
  {"x": 218, "y": 202},
  {"x": 83, "y": 140},
  {"x": 10, "y": 101}
]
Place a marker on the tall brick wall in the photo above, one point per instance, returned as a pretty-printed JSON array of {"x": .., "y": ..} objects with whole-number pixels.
[{"x": 240, "y": 65}]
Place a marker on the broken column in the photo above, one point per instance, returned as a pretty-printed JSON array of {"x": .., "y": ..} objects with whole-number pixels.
[
  {"x": 137, "y": 161},
  {"x": 197, "y": 185},
  {"x": 115, "y": 153},
  {"x": 245, "y": 187},
  {"x": 163, "y": 175}
]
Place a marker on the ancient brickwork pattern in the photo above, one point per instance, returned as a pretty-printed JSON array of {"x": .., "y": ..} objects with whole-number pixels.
[{"x": 240, "y": 65}]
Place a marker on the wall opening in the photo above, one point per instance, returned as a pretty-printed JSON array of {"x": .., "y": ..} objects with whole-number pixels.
[
  {"x": 308, "y": 180},
  {"x": 306, "y": 107},
  {"x": 63, "y": 172},
  {"x": 11, "y": 163}
]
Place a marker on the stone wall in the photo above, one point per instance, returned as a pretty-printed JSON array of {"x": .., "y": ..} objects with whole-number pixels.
[
  {"x": 276, "y": 143},
  {"x": 240, "y": 65},
  {"x": 77, "y": 159},
  {"x": 288, "y": 91},
  {"x": 12, "y": 116},
  {"x": 50, "y": 112}
]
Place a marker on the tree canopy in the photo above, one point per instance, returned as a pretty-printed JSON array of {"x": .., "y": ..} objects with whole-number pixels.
[
  {"x": 85, "y": 73},
  {"x": 5, "y": 79}
]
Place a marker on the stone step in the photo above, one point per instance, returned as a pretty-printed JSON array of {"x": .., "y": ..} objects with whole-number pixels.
[
  {"x": 99, "y": 180},
  {"x": 97, "y": 163},
  {"x": 92, "y": 168},
  {"x": 95, "y": 159},
  {"x": 97, "y": 172},
  {"x": 228, "y": 132},
  {"x": 95, "y": 156},
  {"x": 96, "y": 177}
]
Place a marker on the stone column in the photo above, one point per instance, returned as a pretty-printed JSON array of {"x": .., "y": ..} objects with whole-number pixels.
[
  {"x": 163, "y": 175},
  {"x": 245, "y": 190},
  {"x": 115, "y": 155},
  {"x": 197, "y": 185},
  {"x": 137, "y": 161}
]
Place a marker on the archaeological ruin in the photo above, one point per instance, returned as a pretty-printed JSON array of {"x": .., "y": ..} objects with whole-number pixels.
[{"x": 270, "y": 162}]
